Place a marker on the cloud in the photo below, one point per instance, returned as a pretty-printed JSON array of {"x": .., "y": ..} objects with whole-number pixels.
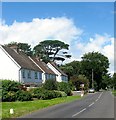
[
  {"x": 60, "y": 28},
  {"x": 99, "y": 43},
  {"x": 37, "y": 30}
]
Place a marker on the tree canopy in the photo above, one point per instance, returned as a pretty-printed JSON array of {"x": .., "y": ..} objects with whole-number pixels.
[
  {"x": 98, "y": 64},
  {"x": 51, "y": 50},
  {"x": 25, "y": 47}
]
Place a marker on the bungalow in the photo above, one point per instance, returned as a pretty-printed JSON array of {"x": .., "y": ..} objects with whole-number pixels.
[
  {"x": 61, "y": 76},
  {"x": 15, "y": 65},
  {"x": 47, "y": 72}
]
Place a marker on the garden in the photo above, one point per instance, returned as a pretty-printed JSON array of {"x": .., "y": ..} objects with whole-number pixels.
[{"x": 23, "y": 101}]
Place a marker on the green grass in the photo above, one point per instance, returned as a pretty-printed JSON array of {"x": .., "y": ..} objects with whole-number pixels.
[
  {"x": 22, "y": 108},
  {"x": 114, "y": 92}
]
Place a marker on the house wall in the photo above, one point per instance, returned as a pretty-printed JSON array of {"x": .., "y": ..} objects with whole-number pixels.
[
  {"x": 8, "y": 68},
  {"x": 29, "y": 77},
  {"x": 58, "y": 77}
]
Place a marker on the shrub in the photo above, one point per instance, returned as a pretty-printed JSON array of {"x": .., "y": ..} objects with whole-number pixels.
[
  {"x": 23, "y": 95},
  {"x": 10, "y": 85},
  {"x": 8, "y": 96},
  {"x": 12, "y": 91},
  {"x": 50, "y": 85},
  {"x": 43, "y": 94},
  {"x": 62, "y": 86}
]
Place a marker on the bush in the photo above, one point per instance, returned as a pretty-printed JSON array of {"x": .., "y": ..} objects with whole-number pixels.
[
  {"x": 8, "y": 85},
  {"x": 62, "y": 86},
  {"x": 23, "y": 95},
  {"x": 50, "y": 85},
  {"x": 12, "y": 91},
  {"x": 43, "y": 94},
  {"x": 8, "y": 96}
]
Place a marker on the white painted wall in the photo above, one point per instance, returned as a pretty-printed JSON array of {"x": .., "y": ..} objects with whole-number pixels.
[
  {"x": 58, "y": 77},
  {"x": 8, "y": 69}
]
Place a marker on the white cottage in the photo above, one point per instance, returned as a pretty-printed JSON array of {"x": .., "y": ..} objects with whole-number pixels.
[
  {"x": 15, "y": 65},
  {"x": 47, "y": 74},
  {"x": 61, "y": 76}
]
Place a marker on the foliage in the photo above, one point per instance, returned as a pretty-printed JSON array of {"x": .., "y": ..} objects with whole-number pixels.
[
  {"x": 63, "y": 86},
  {"x": 49, "y": 49},
  {"x": 44, "y": 94},
  {"x": 50, "y": 85},
  {"x": 8, "y": 96},
  {"x": 106, "y": 81},
  {"x": 72, "y": 68},
  {"x": 22, "y": 108},
  {"x": 22, "y": 47},
  {"x": 8, "y": 85},
  {"x": 114, "y": 81},
  {"x": 98, "y": 63},
  {"x": 11, "y": 91},
  {"x": 78, "y": 80},
  {"x": 23, "y": 95}
]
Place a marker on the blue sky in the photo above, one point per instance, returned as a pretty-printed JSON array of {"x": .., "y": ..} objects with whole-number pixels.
[
  {"x": 85, "y": 26},
  {"x": 86, "y": 15}
]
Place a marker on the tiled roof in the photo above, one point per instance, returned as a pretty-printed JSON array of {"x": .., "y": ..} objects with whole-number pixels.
[
  {"x": 43, "y": 66},
  {"x": 54, "y": 65},
  {"x": 22, "y": 59}
]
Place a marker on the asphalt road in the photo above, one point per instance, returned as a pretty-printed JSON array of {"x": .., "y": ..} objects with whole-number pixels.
[{"x": 96, "y": 105}]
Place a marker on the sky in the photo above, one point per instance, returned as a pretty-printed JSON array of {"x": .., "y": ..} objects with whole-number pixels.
[{"x": 85, "y": 26}]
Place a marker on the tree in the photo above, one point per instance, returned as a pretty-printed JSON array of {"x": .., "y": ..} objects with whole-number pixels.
[
  {"x": 23, "y": 47},
  {"x": 51, "y": 50},
  {"x": 114, "y": 81},
  {"x": 106, "y": 81},
  {"x": 78, "y": 80},
  {"x": 72, "y": 68},
  {"x": 96, "y": 63}
]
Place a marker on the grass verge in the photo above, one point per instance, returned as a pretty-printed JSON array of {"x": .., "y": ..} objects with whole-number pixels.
[
  {"x": 22, "y": 108},
  {"x": 114, "y": 92}
]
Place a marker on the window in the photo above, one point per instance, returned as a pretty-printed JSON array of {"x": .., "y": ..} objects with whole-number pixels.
[
  {"x": 36, "y": 76},
  {"x": 23, "y": 73},
  {"x": 40, "y": 75},
  {"x": 29, "y": 74}
]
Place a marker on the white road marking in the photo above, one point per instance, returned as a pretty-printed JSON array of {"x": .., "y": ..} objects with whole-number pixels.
[
  {"x": 91, "y": 104},
  {"x": 100, "y": 95},
  {"x": 79, "y": 112},
  {"x": 88, "y": 106},
  {"x": 96, "y": 100}
]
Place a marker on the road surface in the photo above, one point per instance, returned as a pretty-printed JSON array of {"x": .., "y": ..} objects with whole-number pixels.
[{"x": 94, "y": 105}]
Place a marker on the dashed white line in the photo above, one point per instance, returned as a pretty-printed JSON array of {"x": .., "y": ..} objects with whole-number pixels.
[
  {"x": 88, "y": 106},
  {"x": 79, "y": 112},
  {"x": 91, "y": 104},
  {"x": 96, "y": 100}
]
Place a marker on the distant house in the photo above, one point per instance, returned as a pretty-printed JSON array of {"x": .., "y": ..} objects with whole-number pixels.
[
  {"x": 47, "y": 72},
  {"x": 15, "y": 65},
  {"x": 61, "y": 76}
]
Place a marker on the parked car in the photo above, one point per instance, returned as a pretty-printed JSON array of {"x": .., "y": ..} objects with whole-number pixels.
[{"x": 91, "y": 90}]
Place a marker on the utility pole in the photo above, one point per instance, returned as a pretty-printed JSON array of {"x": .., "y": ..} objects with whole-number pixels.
[{"x": 92, "y": 80}]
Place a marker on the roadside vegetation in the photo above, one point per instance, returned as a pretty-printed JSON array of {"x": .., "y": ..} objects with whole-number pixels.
[
  {"x": 114, "y": 92},
  {"x": 23, "y": 101},
  {"x": 22, "y": 108}
]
